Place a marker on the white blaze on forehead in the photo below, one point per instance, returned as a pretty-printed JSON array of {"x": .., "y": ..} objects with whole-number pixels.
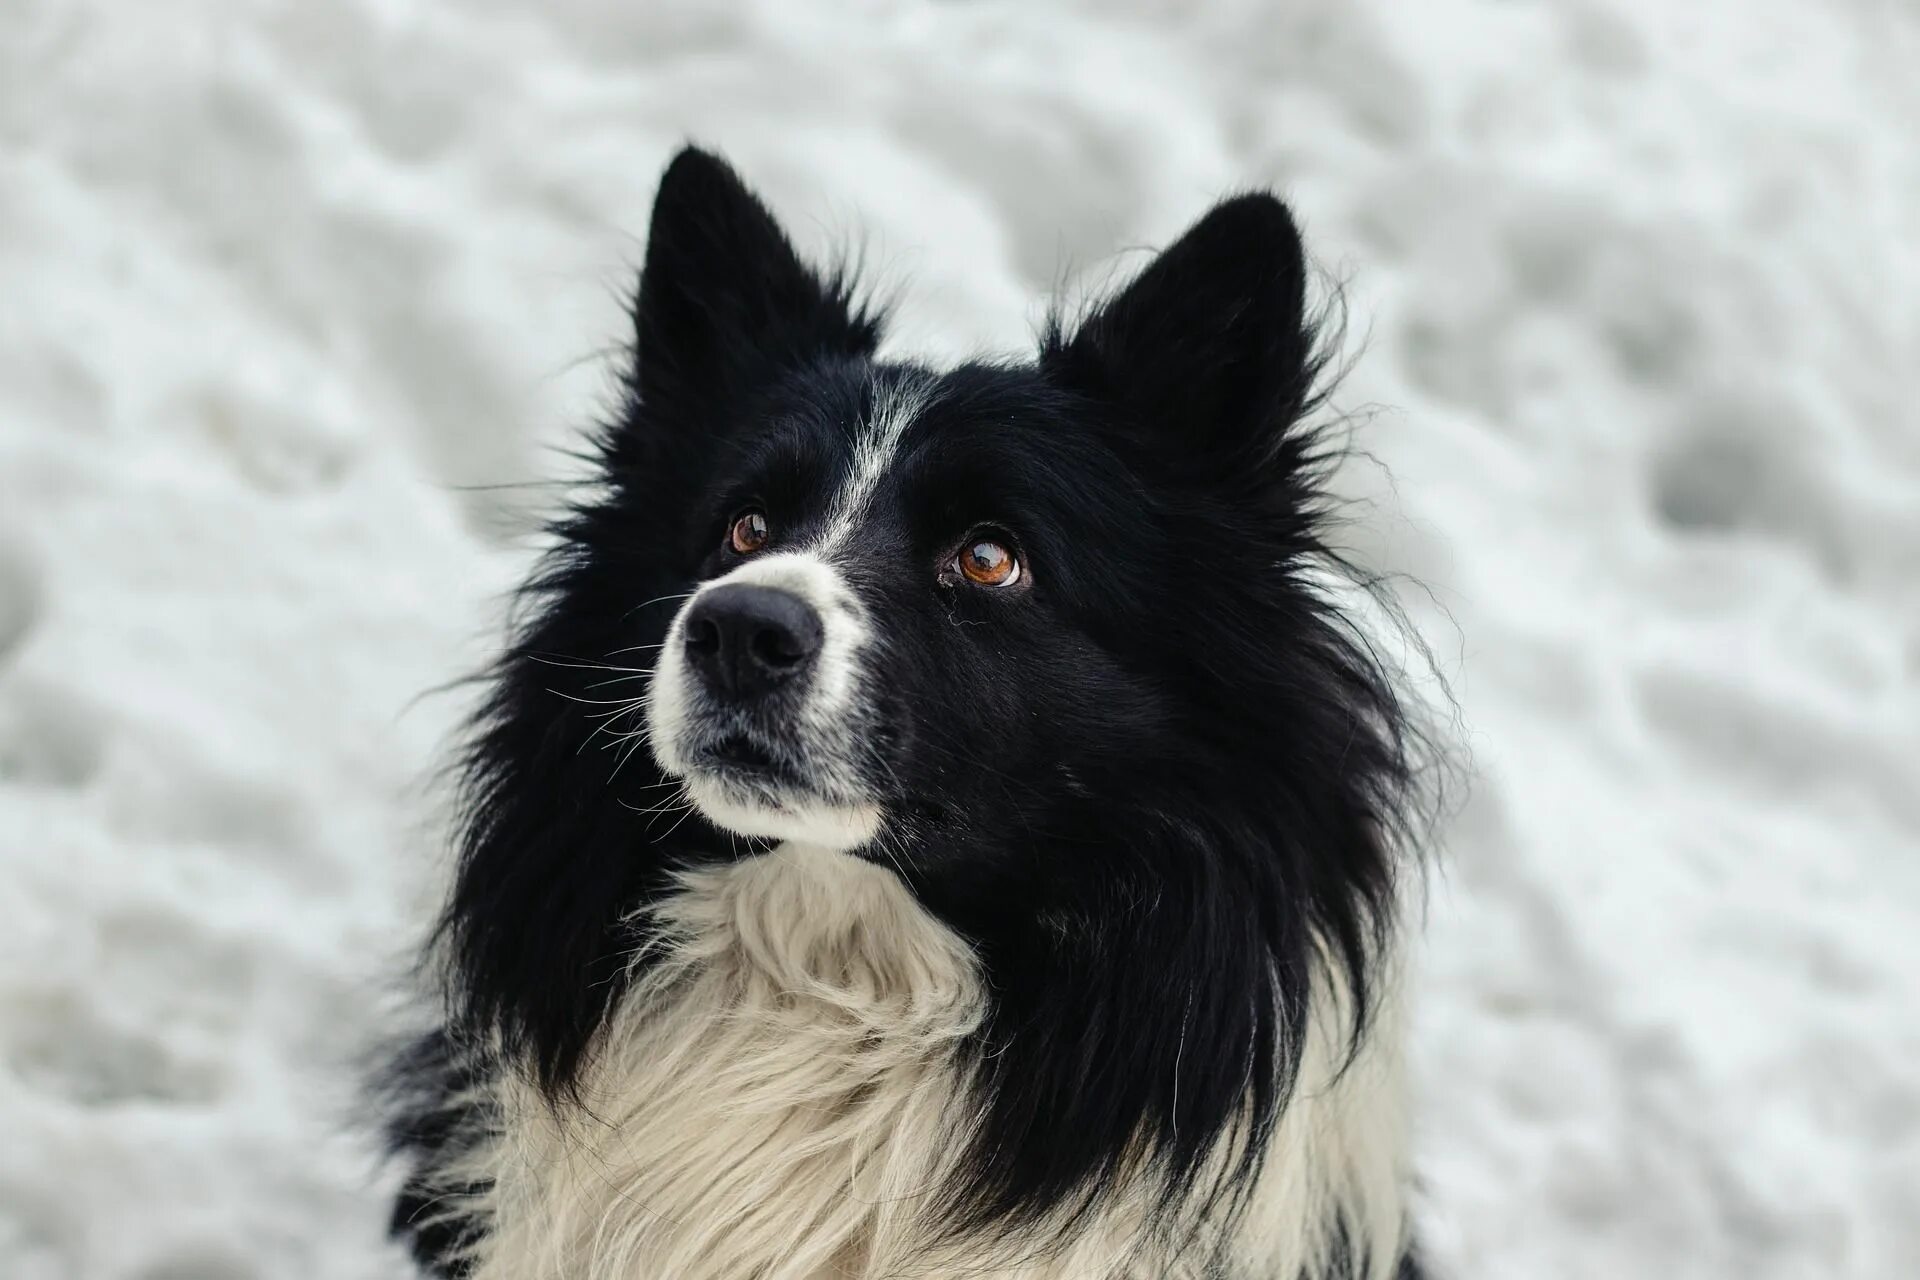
[{"x": 895, "y": 405}]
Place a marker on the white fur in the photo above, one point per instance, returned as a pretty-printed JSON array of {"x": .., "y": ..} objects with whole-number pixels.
[
  {"x": 780, "y": 1098},
  {"x": 895, "y": 406}
]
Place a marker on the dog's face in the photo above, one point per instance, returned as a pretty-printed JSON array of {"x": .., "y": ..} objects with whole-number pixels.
[
  {"x": 910, "y": 594},
  {"x": 921, "y": 613}
]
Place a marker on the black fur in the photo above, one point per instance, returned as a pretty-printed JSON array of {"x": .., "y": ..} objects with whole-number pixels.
[
  {"x": 425, "y": 1089},
  {"x": 1142, "y": 789}
]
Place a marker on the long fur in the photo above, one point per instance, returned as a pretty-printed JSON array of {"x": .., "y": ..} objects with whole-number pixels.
[
  {"x": 1111, "y": 990},
  {"x": 778, "y": 1093}
]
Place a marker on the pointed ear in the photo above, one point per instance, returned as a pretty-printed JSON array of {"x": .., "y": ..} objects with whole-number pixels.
[
  {"x": 724, "y": 302},
  {"x": 1208, "y": 351}
]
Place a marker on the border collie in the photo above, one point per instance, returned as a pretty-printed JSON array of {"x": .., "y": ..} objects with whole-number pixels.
[{"x": 930, "y": 823}]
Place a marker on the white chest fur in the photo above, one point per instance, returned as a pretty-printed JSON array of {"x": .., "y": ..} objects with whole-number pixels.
[{"x": 779, "y": 1099}]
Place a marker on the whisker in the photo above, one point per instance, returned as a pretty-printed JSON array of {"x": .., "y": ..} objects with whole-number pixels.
[
  {"x": 607, "y": 721},
  {"x": 684, "y": 595},
  {"x": 595, "y": 702},
  {"x": 621, "y": 679},
  {"x": 615, "y": 740},
  {"x": 655, "y": 786},
  {"x": 581, "y": 665},
  {"x": 672, "y": 804},
  {"x": 676, "y": 826},
  {"x": 625, "y": 706},
  {"x": 639, "y": 740}
]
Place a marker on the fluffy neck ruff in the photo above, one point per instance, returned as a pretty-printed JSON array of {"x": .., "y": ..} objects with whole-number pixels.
[{"x": 784, "y": 1093}]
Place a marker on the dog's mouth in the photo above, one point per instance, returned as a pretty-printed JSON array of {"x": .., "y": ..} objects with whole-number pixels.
[
  {"x": 746, "y": 784},
  {"x": 743, "y": 756},
  {"x": 738, "y": 752},
  {"x": 749, "y": 768}
]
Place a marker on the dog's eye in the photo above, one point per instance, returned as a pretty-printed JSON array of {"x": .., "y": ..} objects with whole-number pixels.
[
  {"x": 987, "y": 563},
  {"x": 749, "y": 532}
]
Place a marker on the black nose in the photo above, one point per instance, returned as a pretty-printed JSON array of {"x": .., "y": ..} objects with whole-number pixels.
[{"x": 744, "y": 640}]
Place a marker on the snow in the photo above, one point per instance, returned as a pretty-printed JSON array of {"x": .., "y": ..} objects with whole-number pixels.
[{"x": 284, "y": 290}]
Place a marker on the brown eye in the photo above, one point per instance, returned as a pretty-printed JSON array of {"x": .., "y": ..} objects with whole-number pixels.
[
  {"x": 988, "y": 563},
  {"x": 749, "y": 533}
]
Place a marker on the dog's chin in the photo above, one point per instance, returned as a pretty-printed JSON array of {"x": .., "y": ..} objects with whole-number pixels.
[{"x": 755, "y": 807}]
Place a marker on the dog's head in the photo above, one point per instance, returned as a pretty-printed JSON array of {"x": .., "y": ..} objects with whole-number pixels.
[{"x": 924, "y": 614}]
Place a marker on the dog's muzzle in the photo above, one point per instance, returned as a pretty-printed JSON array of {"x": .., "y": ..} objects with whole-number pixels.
[{"x": 756, "y": 704}]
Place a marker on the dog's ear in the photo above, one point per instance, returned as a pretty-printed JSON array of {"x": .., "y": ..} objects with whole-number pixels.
[
  {"x": 1207, "y": 352},
  {"x": 724, "y": 302}
]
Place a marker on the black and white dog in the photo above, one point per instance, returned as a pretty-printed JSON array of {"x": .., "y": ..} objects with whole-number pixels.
[{"x": 930, "y": 823}]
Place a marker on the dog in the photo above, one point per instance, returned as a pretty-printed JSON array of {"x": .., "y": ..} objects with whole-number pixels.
[{"x": 930, "y": 822}]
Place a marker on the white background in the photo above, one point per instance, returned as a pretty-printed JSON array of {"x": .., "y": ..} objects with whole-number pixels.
[{"x": 280, "y": 283}]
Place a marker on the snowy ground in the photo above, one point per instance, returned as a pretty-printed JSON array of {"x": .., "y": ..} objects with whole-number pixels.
[{"x": 279, "y": 283}]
